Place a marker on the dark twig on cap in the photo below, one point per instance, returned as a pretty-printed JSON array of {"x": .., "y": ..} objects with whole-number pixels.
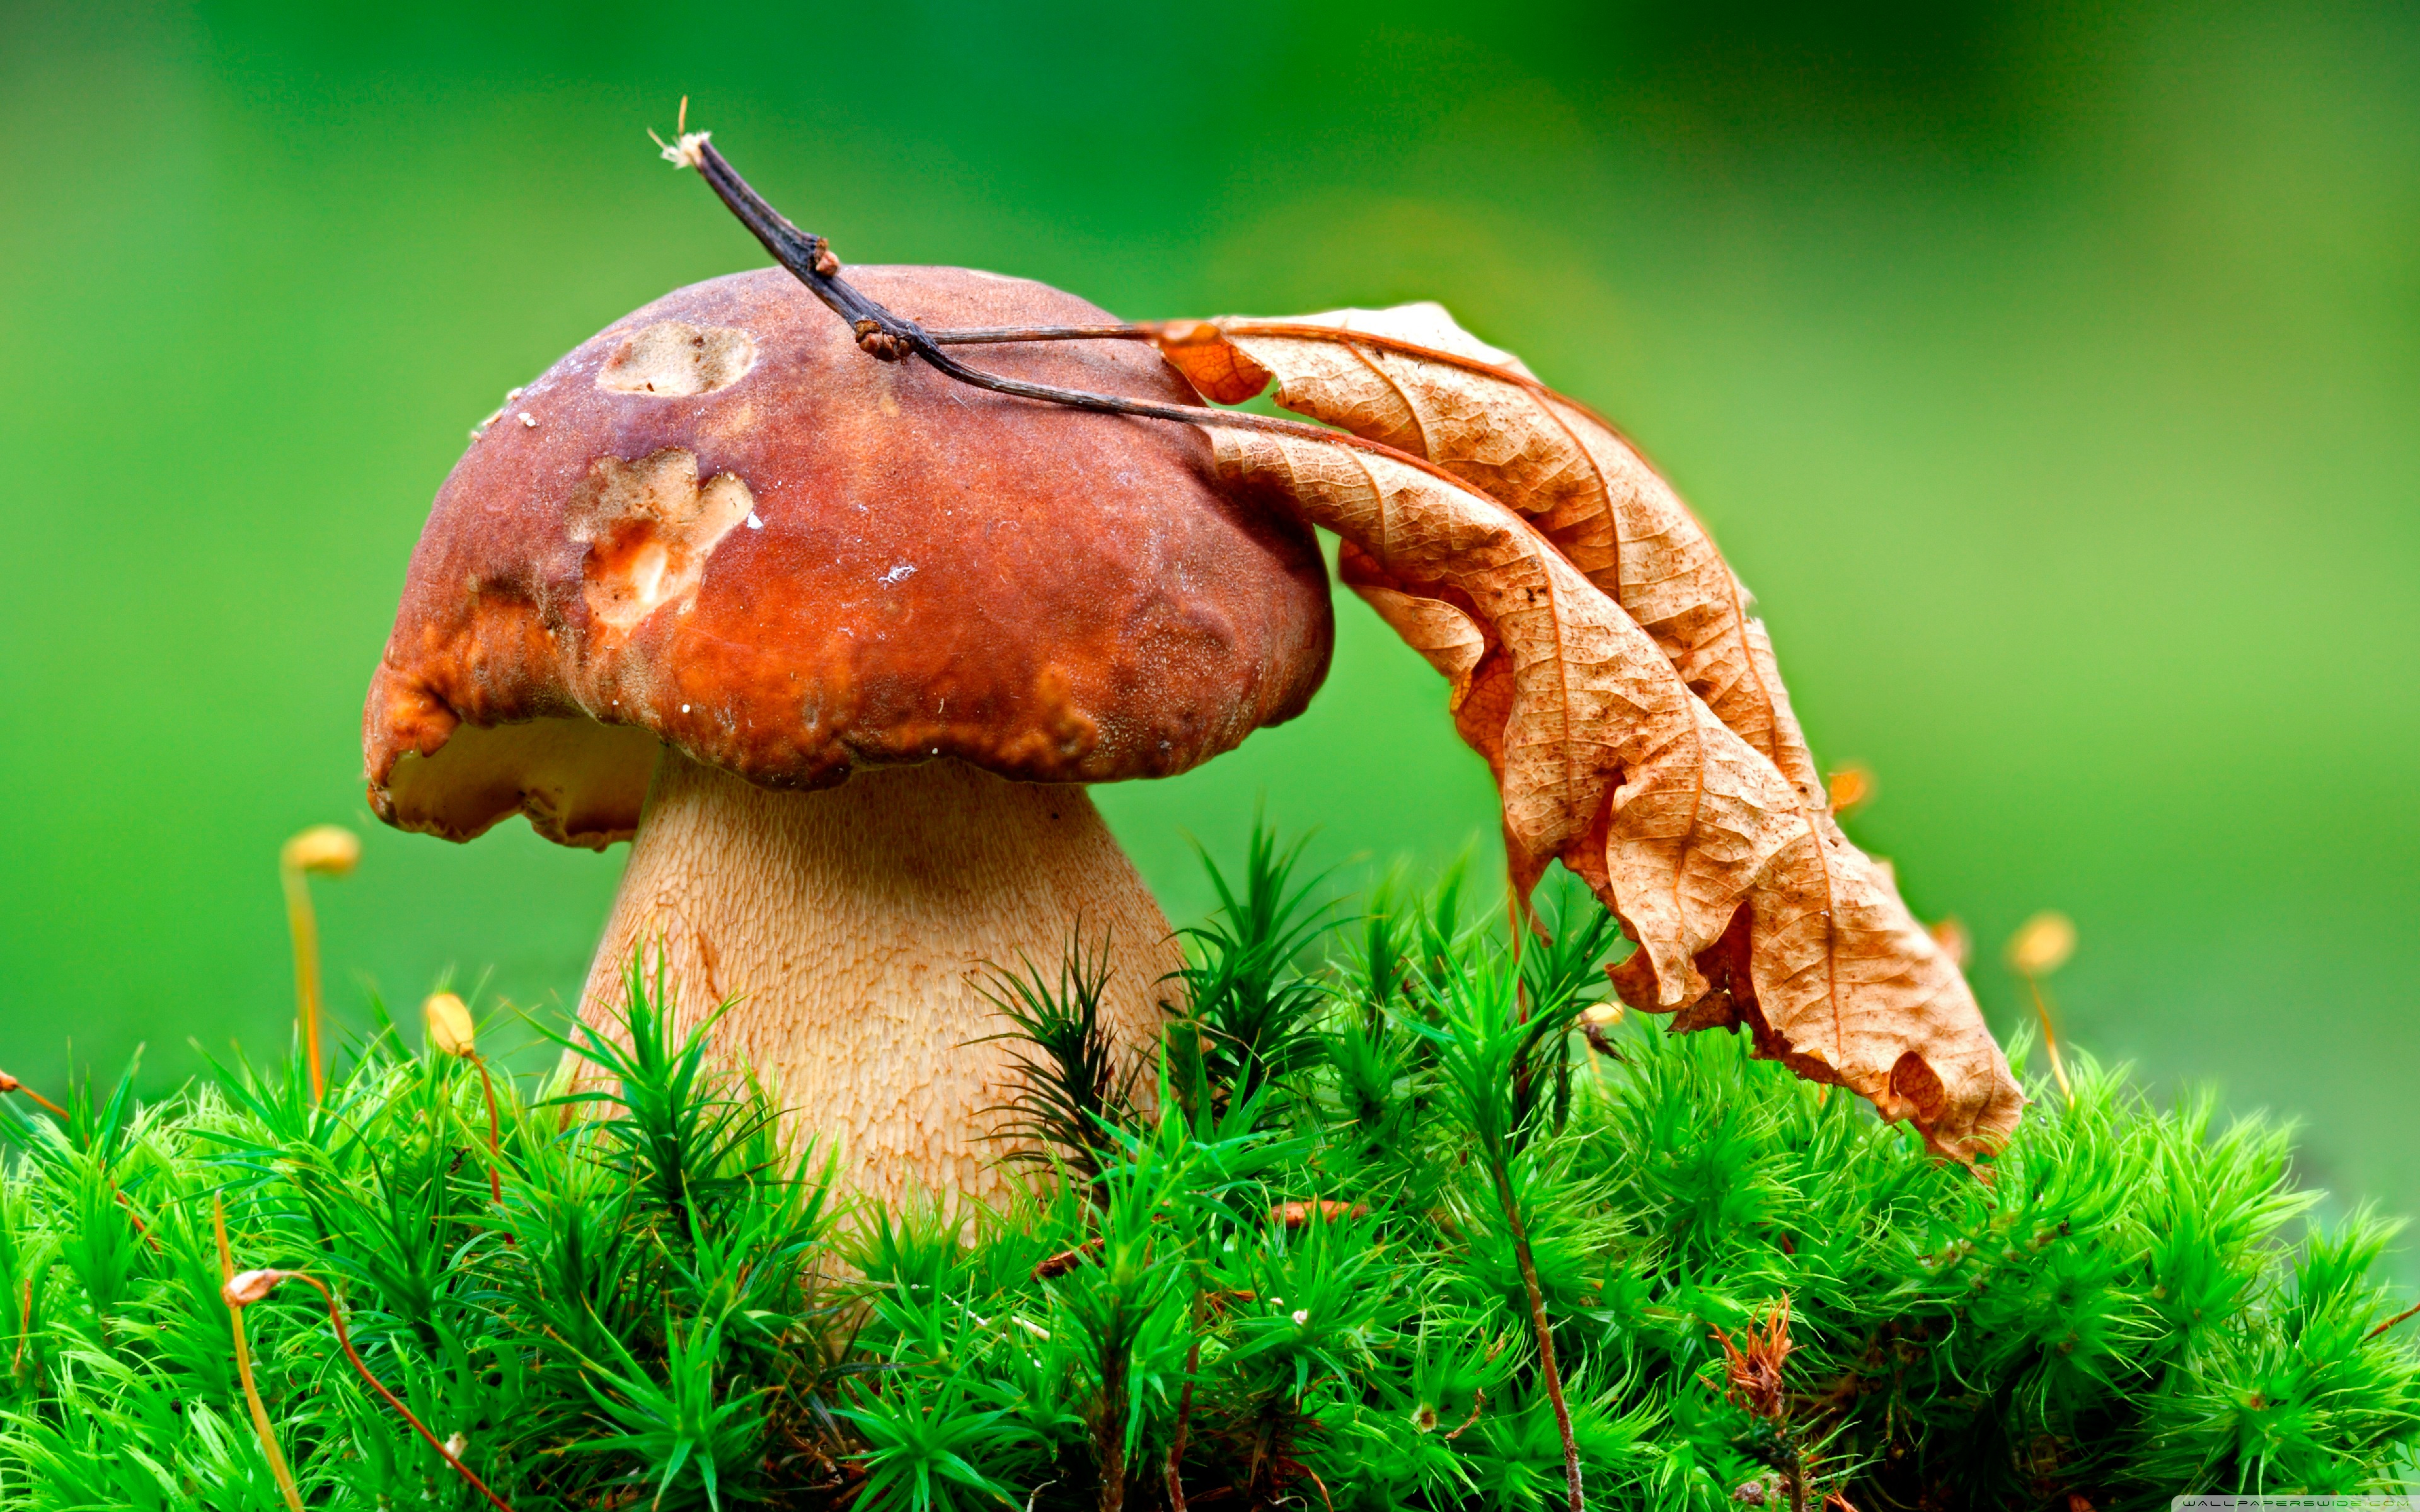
[
  {"x": 1180, "y": 332},
  {"x": 880, "y": 332},
  {"x": 988, "y": 335},
  {"x": 890, "y": 337}
]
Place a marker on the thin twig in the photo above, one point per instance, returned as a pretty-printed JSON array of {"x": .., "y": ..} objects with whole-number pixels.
[
  {"x": 1477, "y": 1405},
  {"x": 890, "y": 337},
  {"x": 1179, "y": 331},
  {"x": 244, "y": 1291},
  {"x": 1546, "y": 1367},
  {"x": 1183, "y": 333},
  {"x": 277, "y": 1467},
  {"x": 11, "y": 1084},
  {"x": 981, "y": 335},
  {"x": 2409, "y": 1311}
]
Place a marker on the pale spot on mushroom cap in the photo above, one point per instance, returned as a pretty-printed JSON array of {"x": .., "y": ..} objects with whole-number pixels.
[
  {"x": 649, "y": 525},
  {"x": 728, "y": 422},
  {"x": 643, "y": 575},
  {"x": 673, "y": 360}
]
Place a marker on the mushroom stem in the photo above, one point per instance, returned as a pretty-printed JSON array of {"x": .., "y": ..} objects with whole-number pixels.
[{"x": 853, "y": 924}]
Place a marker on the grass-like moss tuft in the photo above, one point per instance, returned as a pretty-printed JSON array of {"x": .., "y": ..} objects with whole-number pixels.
[{"x": 1388, "y": 1181}]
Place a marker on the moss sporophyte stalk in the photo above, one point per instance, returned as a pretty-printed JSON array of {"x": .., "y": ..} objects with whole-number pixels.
[
  {"x": 324, "y": 850},
  {"x": 1282, "y": 1272}
]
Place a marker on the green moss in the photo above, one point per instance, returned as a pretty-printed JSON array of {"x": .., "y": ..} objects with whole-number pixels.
[{"x": 667, "y": 1308}]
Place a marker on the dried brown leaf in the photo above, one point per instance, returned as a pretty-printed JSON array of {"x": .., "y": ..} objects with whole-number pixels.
[
  {"x": 1747, "y": 903},
  {"x": 1412, "y": 378}
]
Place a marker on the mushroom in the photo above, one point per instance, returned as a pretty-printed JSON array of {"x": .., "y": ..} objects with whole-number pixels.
[{"x": 837, "y": 644}]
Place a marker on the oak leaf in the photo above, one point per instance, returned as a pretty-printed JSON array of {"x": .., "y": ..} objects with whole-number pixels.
[
  {"x": 1747, "y": 903},
  {"x": 1412, "y": 378}
]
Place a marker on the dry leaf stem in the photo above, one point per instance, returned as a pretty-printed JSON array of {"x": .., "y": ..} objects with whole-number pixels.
[
  {"x": 1182, "y": 332},
  {"x": 1179, "y": 332}
]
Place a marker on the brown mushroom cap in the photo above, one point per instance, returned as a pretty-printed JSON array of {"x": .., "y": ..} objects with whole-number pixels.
[{"x": 720, "y": 525}]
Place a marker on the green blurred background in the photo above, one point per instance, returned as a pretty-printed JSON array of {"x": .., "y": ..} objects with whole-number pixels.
[{"x": 2049, "y": 370}]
